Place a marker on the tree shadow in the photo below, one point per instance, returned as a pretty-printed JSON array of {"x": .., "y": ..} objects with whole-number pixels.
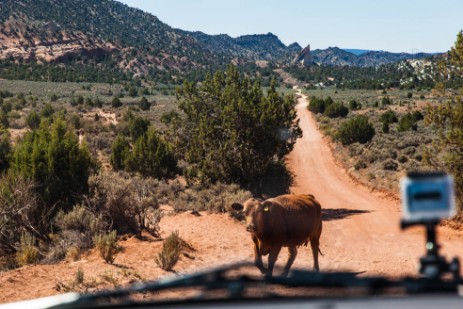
[
  {"x": 276, "y": 181},
  {"x": 329, "y": 214}
]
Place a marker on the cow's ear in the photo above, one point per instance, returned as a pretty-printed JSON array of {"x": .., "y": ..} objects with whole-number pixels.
[
  {"x": 266, "y": 205},
  {"x": 237, "y": 206}
]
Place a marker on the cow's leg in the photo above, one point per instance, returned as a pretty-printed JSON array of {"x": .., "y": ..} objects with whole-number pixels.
[
  {"x": 258, "y": 255},
  {"x": 315, "y": 244},
  {"x": 291, "y": 257},
  {"x": 272, "y": 258}
]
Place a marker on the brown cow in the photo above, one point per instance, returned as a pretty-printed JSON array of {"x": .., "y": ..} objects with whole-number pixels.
[{"x": 284, "y": 221}]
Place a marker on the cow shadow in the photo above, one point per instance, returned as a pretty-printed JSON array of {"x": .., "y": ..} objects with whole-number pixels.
[{"x": 329, "y": 214}]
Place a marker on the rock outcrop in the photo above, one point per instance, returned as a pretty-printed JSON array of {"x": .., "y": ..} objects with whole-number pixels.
[
  {"x": 22, "y": 38},
  {"x": 304, "y": 57}
]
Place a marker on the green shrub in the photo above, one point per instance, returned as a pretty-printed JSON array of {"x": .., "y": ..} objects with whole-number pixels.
[
  {"x": 33, "y": 120},
  {"x": 47, "y": 111},
  {"x": 354, "y": 105},
  {"x": 52, "y": 157},
  {"x": 390, "y": 165},
  {"x": 170, "y": 253},
  {"x": 137, "y": 127},
  {"x": 80, "y": 219},
  {"x": 386, "y": 101},
  {"x": 27, "y": 252},
  {"x": 336, "y": 110},
  {"x": 360, "y": 164},
  {"x": 403, "y": 159},
  {"x": 116, "y": 102},
  {"x": 5, "y": 149},
  {"x": 107, "y": 246},
  {"x": 409, "y": 121},
  {"x": 389, "y": 117},
  {"x": 356, "y": 129},
  {"x": 316, "y": 105},
  {"x": 143, "y": 104},
  {"x": 386, "y": 127},
  {"x": 4, "y": 122}
]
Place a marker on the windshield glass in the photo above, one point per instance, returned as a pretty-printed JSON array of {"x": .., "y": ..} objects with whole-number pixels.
[{"x": 150, "y": 140}]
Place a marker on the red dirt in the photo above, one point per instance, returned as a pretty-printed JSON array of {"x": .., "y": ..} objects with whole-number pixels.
[{"x": 361, "y": 233}]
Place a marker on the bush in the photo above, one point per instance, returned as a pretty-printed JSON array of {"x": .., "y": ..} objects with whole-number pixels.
[
  {"x": 130, "y": 205},
  {"x": 233, "y": 131},
  {"x": 53, "y": 158},
  {"x": 360, "y": 164},
  {"x": 356, "y": 129},
  {"x": 403, "y": 159},
  {"x": 386, "y": 101},
  {"x": 316, "y": 105},
  {"x": 47, "y": 111},
  {"x": 20, "y": 212},
  {"x": 336, "y": 110},
  {"x": 82, "y": 221},
  {"x": 354, "y": 105},
  {"x": 390, "y": 165},
  {"x": 27, "y": 253},
  {"x": 137, "y": 127},
  {"x": 33, "y": 120},
  {"x": 115, "y": 102},
  {"x": 170, "y": 253},
  {"x": 143, "y": 104},
  {"x": 151, "y": 156},
  {"x": 5, "y": 149},
  {"x": 409, "y": 121},
  {"x": 388, "y": 117},
  {"x": 385, "y": 127},
  {"x": 4, "y": 122},
  {"x": 107, "y": 245},
  {"x": 409, "y": 95}
]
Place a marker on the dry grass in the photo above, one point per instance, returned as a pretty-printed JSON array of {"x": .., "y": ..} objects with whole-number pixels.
[
  {"x": 171, "y": 249},
  {"x": 108, "y": 246}
]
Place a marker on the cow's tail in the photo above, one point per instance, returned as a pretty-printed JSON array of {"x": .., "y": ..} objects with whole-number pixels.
[{"x": 320, "y": 251}]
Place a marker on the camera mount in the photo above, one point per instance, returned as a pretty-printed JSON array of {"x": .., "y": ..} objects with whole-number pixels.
[{"x": 433, "y": 265}]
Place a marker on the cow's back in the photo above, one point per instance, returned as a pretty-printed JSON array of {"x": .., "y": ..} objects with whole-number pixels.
[{"x": 298, "y": 218}]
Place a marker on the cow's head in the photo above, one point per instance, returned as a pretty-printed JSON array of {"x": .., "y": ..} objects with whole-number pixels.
[{"x": 252, "y": 209}]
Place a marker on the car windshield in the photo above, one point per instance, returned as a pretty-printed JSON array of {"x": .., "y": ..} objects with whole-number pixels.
[{"x": 292, "y": 148}]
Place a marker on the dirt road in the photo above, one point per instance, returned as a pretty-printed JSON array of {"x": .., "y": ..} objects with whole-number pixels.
[{"x": 361, "y": 228}]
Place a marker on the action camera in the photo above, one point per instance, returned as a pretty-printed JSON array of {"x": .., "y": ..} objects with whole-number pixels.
[{"x": 427, "y": 196}]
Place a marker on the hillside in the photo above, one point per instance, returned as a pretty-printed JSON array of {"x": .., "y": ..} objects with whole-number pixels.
[
  {"x": 340, "y": 57},
  {"x": 128, "y": 39},
  {"x": 111, "y": 41}
]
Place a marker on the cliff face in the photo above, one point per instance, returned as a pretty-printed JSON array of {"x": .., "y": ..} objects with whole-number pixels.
[
  {"x": 22, "y": 38},
  {"x": 304, "y": 57}
]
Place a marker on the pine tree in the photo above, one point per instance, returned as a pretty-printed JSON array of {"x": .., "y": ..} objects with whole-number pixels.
[
  {"x": 52, "y": 157},
  {"x": 447, "y": 119},
  {"x": 233, "y": 131}
]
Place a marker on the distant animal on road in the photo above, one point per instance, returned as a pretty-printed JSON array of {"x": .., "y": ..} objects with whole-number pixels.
[{"x": 284, "y": 221}]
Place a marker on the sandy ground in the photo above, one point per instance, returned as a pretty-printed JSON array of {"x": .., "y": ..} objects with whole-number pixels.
[{"x": 360, "y": 233}]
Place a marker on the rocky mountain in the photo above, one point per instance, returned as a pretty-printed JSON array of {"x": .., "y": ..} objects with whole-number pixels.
[
  {"x": 136, "y": 41},
  {"x": 110, "y": 39},
  {"x": 340, "y": 57}
]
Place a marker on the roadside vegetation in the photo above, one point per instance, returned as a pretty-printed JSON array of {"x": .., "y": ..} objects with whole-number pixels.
[
  {"x": 396, "y": 128},
  {"x": 83, "y": 164}
]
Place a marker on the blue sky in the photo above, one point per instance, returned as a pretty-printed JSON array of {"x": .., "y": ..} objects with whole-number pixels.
[{"x": 392, "y": 25}]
